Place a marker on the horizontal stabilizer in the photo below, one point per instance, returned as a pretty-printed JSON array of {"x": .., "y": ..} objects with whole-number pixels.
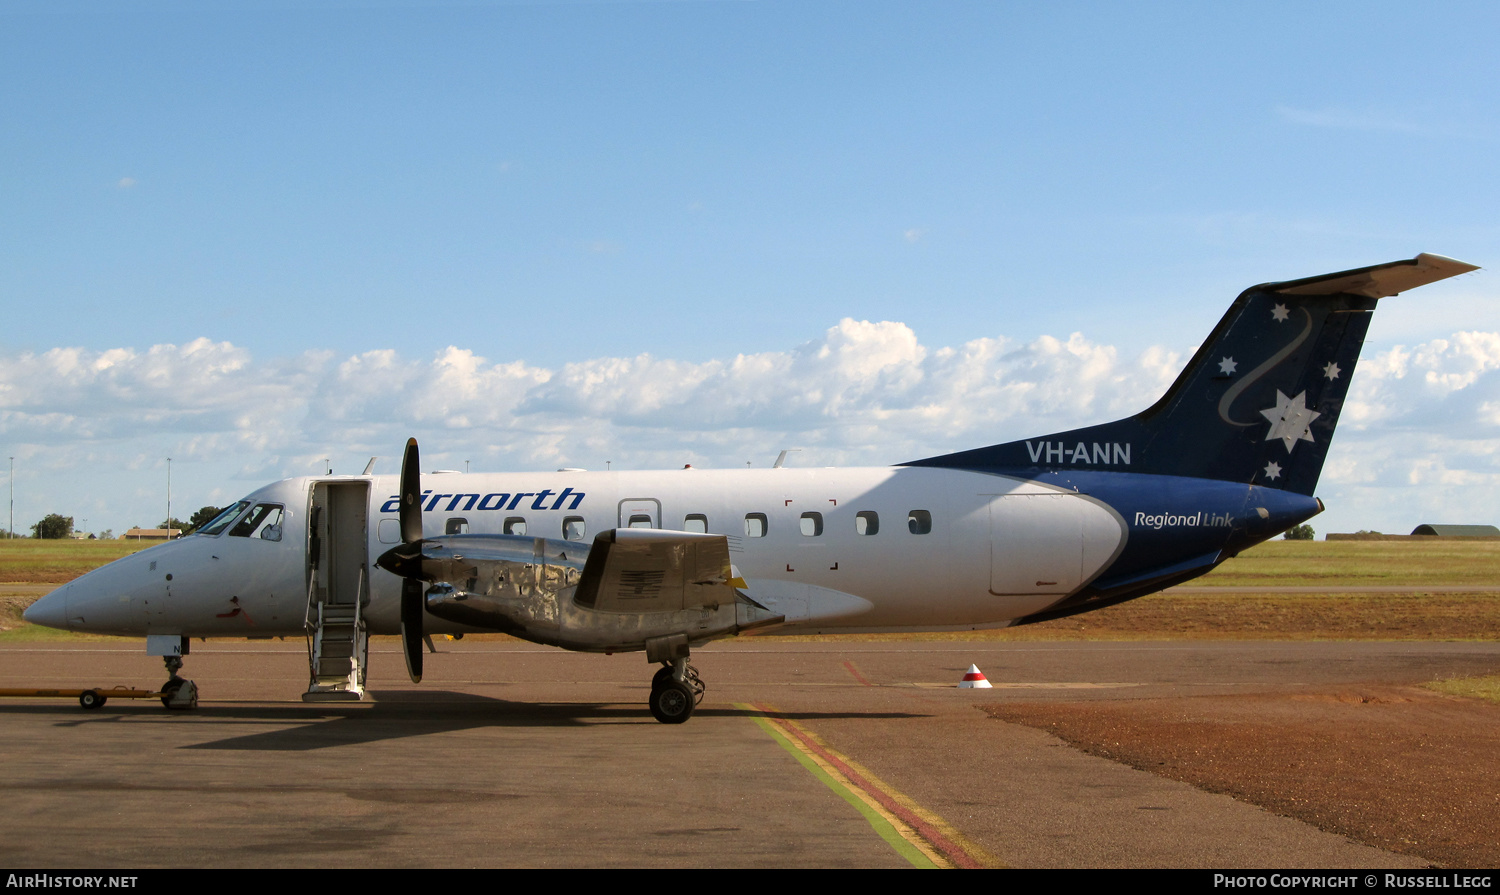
[{"x": 1377, "y": 281}]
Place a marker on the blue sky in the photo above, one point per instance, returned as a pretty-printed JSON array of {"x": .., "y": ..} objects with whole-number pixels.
[{"x": 545, "y": 184}]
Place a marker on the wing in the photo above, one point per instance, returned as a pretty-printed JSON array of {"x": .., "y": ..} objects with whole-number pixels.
[{"x": 650, "y": 570}]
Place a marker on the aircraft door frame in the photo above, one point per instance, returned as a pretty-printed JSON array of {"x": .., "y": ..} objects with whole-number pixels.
[
  {"x": 1036, "y": 544},
  {"x": 342, "y": 537},
  {"x": 632, "y": 506}
]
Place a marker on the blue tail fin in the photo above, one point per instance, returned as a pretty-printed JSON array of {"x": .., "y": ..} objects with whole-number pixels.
[{"x": 1257, "y": 403}]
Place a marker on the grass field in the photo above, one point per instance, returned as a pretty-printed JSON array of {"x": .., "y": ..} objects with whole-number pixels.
[
  {"x": 29, "y": 567},
  {"x": 1419, "y": 562},
  {"x": 32, "y": 561},
  {"x": 1487, "y": 687}
]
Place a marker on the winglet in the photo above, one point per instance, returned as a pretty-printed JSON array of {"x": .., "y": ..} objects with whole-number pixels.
[{"x": 1378, "y": 281}]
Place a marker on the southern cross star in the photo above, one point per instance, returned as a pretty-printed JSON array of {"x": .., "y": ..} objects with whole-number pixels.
[
  {"x": 1227, "y": 365},
  {"x": 1279, "y": 313},
  {"x": 1273, "y": 471},
  {"x": 1331, "y": 371},
  {"x": 1291, "y": 419}
]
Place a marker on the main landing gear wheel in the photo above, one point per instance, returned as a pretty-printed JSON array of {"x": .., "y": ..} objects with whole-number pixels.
[
  {"x": 689, "y": 674},
  {"x": 673, "y": 702},
  {"x": 91, "y": 699}
]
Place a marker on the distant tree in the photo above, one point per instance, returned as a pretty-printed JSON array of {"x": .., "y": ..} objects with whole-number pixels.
[
  {"x": 173, "y": 522},
  {"x": 1299, "y": 533},
  {"x": 53, "y": 527},
  {"x": 107, "y": 534},
  {"x": 201, "y": 518}
]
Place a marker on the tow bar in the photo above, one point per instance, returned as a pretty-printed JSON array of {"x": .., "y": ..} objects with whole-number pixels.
[{"x": 183, "y": 696}]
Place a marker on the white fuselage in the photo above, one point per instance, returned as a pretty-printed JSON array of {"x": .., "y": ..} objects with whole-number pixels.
[{"x": 855, "y": 549}]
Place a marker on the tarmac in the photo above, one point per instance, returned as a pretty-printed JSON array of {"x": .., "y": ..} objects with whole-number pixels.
[{"x": 802, "y": 754}]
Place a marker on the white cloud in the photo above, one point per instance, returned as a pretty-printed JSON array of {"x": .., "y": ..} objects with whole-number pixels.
[
  {"x": 1433, "y": 121},
  {"x": 1420, "y": 431},
  {"x": 1348, "y": 119}
]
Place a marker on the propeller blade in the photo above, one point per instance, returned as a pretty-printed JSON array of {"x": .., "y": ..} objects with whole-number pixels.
[
  {"x": 411, "y": 627},
  {"x": 411, "y": 494},
  {"x": 407, "y": 563}
]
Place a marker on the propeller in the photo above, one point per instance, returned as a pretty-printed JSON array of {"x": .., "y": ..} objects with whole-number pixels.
[{"x": 406, "y": 560}]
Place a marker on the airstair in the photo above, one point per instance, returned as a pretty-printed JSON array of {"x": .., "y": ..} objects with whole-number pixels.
[{"x": 338, "y": 646}]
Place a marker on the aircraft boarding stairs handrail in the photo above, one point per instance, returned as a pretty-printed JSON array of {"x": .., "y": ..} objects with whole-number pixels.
[{"x": 337, "y": 646}]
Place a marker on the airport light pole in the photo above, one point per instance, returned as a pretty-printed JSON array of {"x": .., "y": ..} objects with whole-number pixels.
[
  {"x": 169, "y": 498},
  {"x": 10, "y": 531}
]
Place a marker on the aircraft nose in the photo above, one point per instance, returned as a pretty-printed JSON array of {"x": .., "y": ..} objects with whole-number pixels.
[{"x": 50, "y": 611}]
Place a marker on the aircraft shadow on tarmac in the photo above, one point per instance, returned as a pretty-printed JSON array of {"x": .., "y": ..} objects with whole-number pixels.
[{"x": 399, "y": 715}]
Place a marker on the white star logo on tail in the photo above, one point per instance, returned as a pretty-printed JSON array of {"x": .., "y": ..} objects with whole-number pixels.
[
  {"x": 1291, "y": 419},
  {"x": 1273, "y": 471},
  {"x": 1279, "y": 313},
  {"x": 1331, "y": 371},
  {"x": 1227, "y": 365}
]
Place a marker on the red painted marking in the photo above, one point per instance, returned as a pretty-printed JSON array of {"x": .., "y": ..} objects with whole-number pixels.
[
  {"x": 849, "y": 666},
  {"x": 234, "y": 612},
  {"x": 947, "y": 846},
  {"x": 974, "y": 677}
]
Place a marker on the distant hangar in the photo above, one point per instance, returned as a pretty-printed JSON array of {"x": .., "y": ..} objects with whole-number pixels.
[{"x": 1457, "y": 531}]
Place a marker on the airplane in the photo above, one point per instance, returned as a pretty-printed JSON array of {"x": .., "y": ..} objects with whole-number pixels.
[{"x": 663, "y": 561}]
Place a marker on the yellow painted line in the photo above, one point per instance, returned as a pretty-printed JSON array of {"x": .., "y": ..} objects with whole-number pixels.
[
  {"x": 1060, "y": 685},
  {"x": 924, "y": 839}
]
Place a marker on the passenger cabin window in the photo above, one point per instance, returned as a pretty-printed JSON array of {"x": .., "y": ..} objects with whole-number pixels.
[
  {"x": 515, "y": 525},
  {"x": 919, "y": 522},
  {"x": 639, "y": 520},
  {"x": 456, "y": 526},
  {"x": 221, "y": 521},
  {"x": 755, "y": 525},
  {"x": 696, "y": 522},
  {"x": 263, "y": 522},
  {"x": 573, "y": 528},
  {"x": 867, "y": 522},
  {"x": 389, "y": 531},
  {"x": 812, "y": 524}
]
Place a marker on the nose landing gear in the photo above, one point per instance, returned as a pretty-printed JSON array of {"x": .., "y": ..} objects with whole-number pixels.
[{"x": 177, "y": 693}]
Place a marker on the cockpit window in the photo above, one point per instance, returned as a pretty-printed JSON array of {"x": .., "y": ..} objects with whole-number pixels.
[
  {"x": 221, "y": 521},
  {"x": 263, "y": 522}
]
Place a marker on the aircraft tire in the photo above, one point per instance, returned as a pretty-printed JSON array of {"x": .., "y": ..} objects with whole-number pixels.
[
  {"x": 91, "y": 699},
  {"x": 170, "y": 688},
  {"x": 672, "y": 703},
  {"x": 663, "y": 674}
]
